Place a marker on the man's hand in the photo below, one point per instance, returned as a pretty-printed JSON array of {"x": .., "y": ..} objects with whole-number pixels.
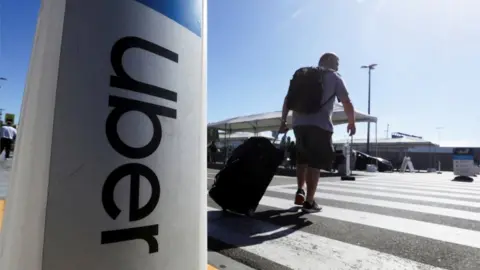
[{"x": 351, "y": 129}]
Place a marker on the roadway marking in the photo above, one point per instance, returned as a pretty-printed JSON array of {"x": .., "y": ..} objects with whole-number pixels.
[
  {"x": 403, "y": 225},
  {"x": 327, "y": 189},
  {"x": 263, "y": 239},
  {"x": 210, "y": 267},
  {"x": 425, "y": 209}
]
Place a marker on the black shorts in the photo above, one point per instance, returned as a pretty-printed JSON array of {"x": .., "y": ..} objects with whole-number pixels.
[{"x": 314, "y": 147}]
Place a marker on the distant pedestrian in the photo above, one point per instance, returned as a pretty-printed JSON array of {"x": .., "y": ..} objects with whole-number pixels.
[
  {"x": 9, "y": 134},
  {"x": 212, "y": 152},
  {"x": 311, "y": 97}
]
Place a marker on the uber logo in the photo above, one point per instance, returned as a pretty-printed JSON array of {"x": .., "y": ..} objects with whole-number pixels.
[{"x": 136, "y": 169}]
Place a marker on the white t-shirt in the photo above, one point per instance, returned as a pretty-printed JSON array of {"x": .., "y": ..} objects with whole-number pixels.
[{"x": 9, "y": 132}]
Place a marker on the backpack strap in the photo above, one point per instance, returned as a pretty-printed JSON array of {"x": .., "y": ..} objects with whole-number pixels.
[
  {"x": 328, "y": 100},
  {"x": 324, "y": 70}
]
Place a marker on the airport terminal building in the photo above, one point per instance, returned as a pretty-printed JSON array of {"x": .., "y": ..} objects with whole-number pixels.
[{"x": 424, "y": 154}]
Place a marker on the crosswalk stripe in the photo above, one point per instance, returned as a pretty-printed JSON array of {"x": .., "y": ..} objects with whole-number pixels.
[
  {"x": 395, "y": 205},
  {"x": 322, "y": 188},
  {"x": 475, "y": 186},
  {"x": 419, "y": 187},
  {"x": 403, "y": 225},
  {"x": 464, "y": 188},
  {"x": 406, "y": 190},
  {"x": 262, "y": 238}
]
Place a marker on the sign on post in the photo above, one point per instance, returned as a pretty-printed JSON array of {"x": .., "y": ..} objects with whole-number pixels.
[
  {"x": 463, "y": 162},
  {"x": 110, "y": 172}
]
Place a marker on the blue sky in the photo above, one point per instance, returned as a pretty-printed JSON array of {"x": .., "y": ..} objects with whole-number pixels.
[{"x": 426, "y": 51}]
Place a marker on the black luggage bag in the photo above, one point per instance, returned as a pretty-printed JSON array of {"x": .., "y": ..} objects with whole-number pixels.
[{"x": 241, "y": 184}]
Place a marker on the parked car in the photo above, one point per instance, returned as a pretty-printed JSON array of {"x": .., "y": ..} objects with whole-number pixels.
[{"x": 363, "y": 159}]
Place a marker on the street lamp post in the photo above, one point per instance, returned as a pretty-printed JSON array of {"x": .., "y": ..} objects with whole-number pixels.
[{"x": 369, "y": 67}]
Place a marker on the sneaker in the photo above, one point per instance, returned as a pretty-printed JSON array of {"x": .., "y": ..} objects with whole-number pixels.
[
  {"x": 311, "y": 207},
  {"x": 299, "y": 197}
]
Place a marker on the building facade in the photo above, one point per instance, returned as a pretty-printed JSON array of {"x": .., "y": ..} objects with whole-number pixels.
[{"x": 424, "y": 154}]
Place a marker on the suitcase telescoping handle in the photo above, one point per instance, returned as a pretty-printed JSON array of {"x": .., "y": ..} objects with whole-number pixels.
[{"x": 284, "y": 137}]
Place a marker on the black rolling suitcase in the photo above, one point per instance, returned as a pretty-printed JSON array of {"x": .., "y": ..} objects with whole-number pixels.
[{"x": 241, "y": 184}]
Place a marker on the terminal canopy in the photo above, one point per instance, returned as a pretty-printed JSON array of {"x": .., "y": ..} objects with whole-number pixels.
[{"x": 271, "y": 121}]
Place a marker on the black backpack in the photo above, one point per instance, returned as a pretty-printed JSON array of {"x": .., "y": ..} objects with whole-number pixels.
[{"x": 305, "y": 92}]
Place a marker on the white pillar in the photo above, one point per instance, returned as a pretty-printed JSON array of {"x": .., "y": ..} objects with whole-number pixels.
[{"x": 110, "y": 165}]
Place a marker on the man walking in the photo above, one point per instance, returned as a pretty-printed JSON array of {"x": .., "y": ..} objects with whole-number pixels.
[
  {"x": 312, "y": 123},
  {"x": 212, "y": 152},
  {"x": 9, "y": 134}
]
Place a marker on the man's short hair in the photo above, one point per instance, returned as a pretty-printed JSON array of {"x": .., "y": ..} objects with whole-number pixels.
[{"x": 325, "y": 57}]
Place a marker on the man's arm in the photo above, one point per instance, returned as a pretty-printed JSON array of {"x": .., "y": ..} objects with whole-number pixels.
[
  {"x": 342, "y": 96},
  {"x": 285, "y": 111},
  {"x": 349, "y": 110}
]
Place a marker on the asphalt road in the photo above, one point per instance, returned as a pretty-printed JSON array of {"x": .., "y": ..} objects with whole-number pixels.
[{"x": 380, "y": 221}]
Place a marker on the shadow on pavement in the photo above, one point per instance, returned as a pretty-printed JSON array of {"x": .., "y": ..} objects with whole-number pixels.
[{"x": 241, "y": 231}]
